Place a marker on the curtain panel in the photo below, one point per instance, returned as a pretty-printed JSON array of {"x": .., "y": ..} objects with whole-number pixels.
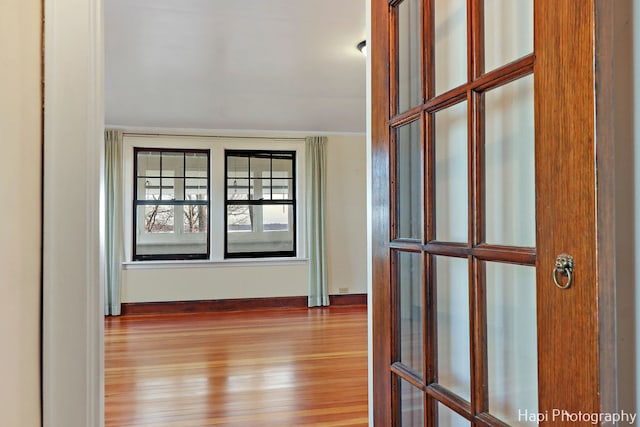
[
  {"x": 315, "y": 148},
  {"x": 114, "y": 206}
]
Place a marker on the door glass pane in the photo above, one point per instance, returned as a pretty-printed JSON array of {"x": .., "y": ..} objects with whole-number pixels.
[
  {"x": 452, "y": 289},
  {"x": 512, "y": 342},
  {"x": 451, "y": 174},
  {"x": 449, "y": 418},
  {"x": 409, "y": 80},
  {"x": 409, "y": 182},
  {"x": 509, "y": 164},
  {"x": 410, "y": 293},
  {"x": 450, "y": 44},
  {"x": 508, "y": 31},
  {"x": 411, "y": 405}
]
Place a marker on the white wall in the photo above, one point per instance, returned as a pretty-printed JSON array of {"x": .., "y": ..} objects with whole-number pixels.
[
  {"x": 20, "y": 172},
  {"x": 346, "y": 214},
  {"x": 346, "y": 247},
  {"x": 219, "y": 281}
]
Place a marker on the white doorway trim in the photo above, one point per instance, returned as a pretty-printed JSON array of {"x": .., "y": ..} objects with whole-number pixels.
[{"x": 72, "y": 324}]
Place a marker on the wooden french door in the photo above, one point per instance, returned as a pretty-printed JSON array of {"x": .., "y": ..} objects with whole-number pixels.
[{"x": 492, "y": 141}]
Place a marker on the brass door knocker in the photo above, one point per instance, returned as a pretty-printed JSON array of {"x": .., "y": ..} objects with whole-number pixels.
[{"x": 563, "y": 268}]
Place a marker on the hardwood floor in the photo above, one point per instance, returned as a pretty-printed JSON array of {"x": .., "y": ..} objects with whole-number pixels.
[{"x": 291, "y": 367}]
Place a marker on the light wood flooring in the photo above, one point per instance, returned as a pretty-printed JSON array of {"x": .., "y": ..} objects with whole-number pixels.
[{"x": 284, "y": 368}]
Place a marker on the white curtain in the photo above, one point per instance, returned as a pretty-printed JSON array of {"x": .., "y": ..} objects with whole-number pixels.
[
  {"x": 315, "y": 178},
  {"x": 114, "y": 206}
]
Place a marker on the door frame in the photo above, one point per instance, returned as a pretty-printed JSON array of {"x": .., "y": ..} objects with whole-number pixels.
[
  {"x": 74, "y": 30},
  {"x": 72, "y": 254},
  {"x": 576, "y": 34}
]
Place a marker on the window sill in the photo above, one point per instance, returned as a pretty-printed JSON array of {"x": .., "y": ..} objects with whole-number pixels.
[{"x": 253, "y": 262}]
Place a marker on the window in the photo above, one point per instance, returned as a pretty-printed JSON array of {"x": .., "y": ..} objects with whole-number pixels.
[
  {"x": 260, "y": 204},
  {"x": 171, "y": 204},
  {"x": 213, "y": 198}
]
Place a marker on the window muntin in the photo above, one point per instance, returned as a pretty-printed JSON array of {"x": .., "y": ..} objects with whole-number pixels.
[
  {"x": 260, "y": 204},
  {"x": 171, "y": 204}
]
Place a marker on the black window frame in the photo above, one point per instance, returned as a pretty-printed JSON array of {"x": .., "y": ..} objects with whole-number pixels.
[
  {"x": 282, "y": 154},
  {"x": 136, "y": 202}
]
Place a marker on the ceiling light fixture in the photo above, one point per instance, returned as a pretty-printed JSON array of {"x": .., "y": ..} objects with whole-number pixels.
[{"x": 362, "y": 47}]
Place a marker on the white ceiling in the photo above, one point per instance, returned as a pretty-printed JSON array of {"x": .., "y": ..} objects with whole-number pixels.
[{"x": 283, "y": 65}]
